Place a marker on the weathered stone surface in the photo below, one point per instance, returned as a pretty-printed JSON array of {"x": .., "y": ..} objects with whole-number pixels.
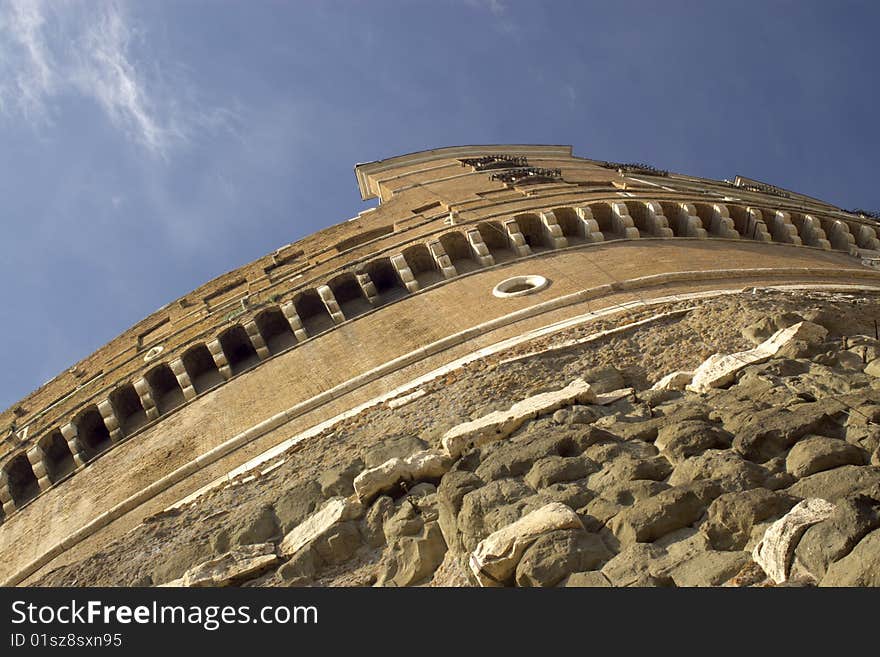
[
  {"x": 588, "y": 579},
  {"x": 838, "y": 483},
  {"x": 853, "y": 361},
  {"x": 172, "y": 564},
  {"x": 404, "y": 521},
  {"x": 553, "y": 556},
  {"x": 873, "y": 368},
  {"x": 775, "y": 551},
  {"x": 397, "y": 446},
  {"x": 710, "y": 568},
  {"x": 817, "y": 453},
  {"x": 622, "y": 401},
  {"x": 298, "y": 503},
  {"x": 720, "y": 370},
  {"x": 654, "y": 398},
  {"x": 759, "y": 331},
  {"x": 681, "y": 545},
  {"x": 487, "y": 509},
  {"x": 647, "y": 430},
  {"x": 674, "y": 381},
  {"x": 247, "y": 524},
  {"x": 555, "y": 469},
  {"x": 861, "y": 567},
  {"x": 604, "y": 378},
  {"x": 232, "y": 567},
  {"x": 723, "y": 466},
  {"x": 500, "y": 424},
  {"x": 627, "y": 493},
  {"x": 452, "y": 572},
  {"x": 834, "y": 538},
  {"x": 767, "y": 433},
  {"x": 864, "y": 414},
  {"x": 516, "y": 457},
  {"x": 601, "y": 510},
  {"x": 652, "y": 581},
  {"x": 762, "y": 329},
  {"x": 625, "y": 468},
  {"x": 299, "y": 568},
  {"x": 336, "y": 509},
  {"x": 579, "y": 414},
  {"x": 573, "y": 494},
  {"x": 453, "y": 487},
  {"x": 414, "y": 558},
  {"x": 338, "y": 481},
  {"x": 633, "y": 563},
  {"x": 607, "y": 450},
  {"x": 778, "y": 477},
  {"x": 650, "y": 519},
  {"x": 374, "y": 521},
  {"x": 682, "y": 440},
  {"x": 338, "y": 543},
  {"x": 426, "y": 464},
  {"x": 841, "y": 378},
  {"x": 779, "y": 481},
  {"x": 495, "y": 559},
  {"x": 708, "y": 490},
  {"x": 731, "y": 516},
  {"x": 863, "y": 427},
  {"x": 751, "y": 574}
]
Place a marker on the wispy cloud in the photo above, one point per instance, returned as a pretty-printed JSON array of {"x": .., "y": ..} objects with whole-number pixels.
[
  {"x": 88, "y": 49},
  {"x": 496, "y": 7},
  {"x": 503, "y": 22},
  {"x": 27, "y": 63},
  {"x": 571, "y": 94},
  {"x": 105, "y": 72}
]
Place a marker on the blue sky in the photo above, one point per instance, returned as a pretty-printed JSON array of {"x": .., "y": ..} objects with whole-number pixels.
[{"x": 147, "y": 147}]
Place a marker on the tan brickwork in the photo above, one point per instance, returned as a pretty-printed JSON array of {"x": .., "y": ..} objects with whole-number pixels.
[{"x": 371, "y": 293}]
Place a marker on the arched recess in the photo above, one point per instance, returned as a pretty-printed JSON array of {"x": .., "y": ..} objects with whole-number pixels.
[
  {"x": 128, "y": 409},
  {"x": 165, "y": 388},
  {"x": 56, "y": 456},
  {"x": 743, "y": 223},
  {"x": 496, "y": 240},
  {"x": 238, "y": 349},
  {"x": 705, "y": 212},
  {"x": 275, "y": 329},
  {"x": 422, "y": 265},
  {"x": 533, "y": 231},
  {"x": 639, "y": 213},
  {"x": 459, "y": 251},
  {"x": 604, "y": 218},
  {"x": 677, "y": 221},
  {"x": 201, "y": 368},
  {"x": 312, "y": 312},
  {"x": 349, "y": 295},
  {"x": 92, "y": 433},
  {"x": 388, "y": 285},
  {"x": 23, "y": 485},
  {"x": 571, "y": 225}
]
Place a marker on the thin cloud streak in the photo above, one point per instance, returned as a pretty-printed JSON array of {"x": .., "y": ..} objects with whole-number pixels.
[
  {"x": 22, "y": 29},
  {"x": 48, "y": 51},
  {"x": 105, "y": 73}
]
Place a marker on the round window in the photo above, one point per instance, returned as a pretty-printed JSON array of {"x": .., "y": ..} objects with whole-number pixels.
[{"x": 519, "y": 286}]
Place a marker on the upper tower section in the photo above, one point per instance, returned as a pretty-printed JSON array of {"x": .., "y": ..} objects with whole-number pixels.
[{"x": 385, "y": 178}]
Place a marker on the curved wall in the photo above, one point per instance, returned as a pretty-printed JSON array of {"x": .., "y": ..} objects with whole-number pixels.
[{"x": 147, "y": 422}]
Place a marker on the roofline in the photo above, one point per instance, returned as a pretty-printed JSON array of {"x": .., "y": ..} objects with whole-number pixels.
[{"x": 366, "y": 172}]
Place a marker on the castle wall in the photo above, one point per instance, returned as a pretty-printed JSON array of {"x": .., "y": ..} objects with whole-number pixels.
[
  {"x": 370, "y": 341},
  {"x": 341, "y": 316}
]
